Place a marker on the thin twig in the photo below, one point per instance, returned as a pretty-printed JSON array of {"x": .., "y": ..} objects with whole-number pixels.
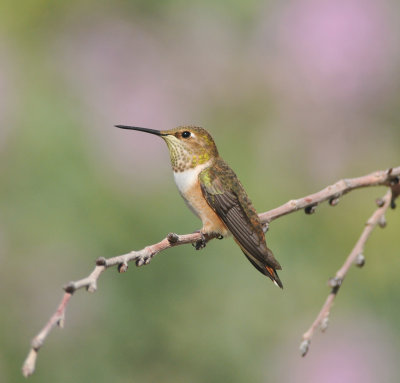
[
  {"x": 144, "y": 256},
  {"x": 141, "y": 257},
  {"x": 332, "y": 193},
  {"x": 355, "y": 255},
  {"x": 56, "y": 319}
]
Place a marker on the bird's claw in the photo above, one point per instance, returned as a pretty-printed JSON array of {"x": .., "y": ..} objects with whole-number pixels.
[{"x": 201, "y": 243}]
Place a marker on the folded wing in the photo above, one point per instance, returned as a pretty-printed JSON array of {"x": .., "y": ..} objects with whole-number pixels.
[{"x": 226, "y": 196}]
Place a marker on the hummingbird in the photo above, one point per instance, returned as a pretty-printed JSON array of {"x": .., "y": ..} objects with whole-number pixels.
[{"x": 214, "y": 193}]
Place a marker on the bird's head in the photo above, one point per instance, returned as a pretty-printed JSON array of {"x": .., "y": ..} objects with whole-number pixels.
[{"x": 189, "y": 146}]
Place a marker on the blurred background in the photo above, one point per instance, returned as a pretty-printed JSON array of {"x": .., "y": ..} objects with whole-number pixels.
[{"x": 296, "y": 94}]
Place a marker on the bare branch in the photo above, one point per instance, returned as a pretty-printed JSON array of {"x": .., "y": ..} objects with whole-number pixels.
[
  {"x": 332, "y": 193},
  {"x": 143, "y": 257},
  {"x": 56, "y": 319},
  {"x": 355, "y": 257}
]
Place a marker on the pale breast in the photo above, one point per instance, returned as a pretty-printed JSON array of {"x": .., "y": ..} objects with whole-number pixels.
[
  {"x": 188, "y": 183},
  {"x": 186, "y": 179},
  {"x": 189, "y": 187}
]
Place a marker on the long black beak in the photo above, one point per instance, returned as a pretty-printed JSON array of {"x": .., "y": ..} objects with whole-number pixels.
[{"x": 151, "y": 131}]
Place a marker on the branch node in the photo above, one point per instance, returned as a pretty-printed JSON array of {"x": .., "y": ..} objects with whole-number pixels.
[
  {"x": 324, "y": 323},
  {"x": 360, "y": 260},
  {"x": 172, "y": 238},
  {"x": 61, "y": 322},
  {"x": 69, "y": 288},
  {"x": 92, "y": 287},
  {"x": 146, "y": 260},
  {"x": 139, "y": 262},
  {"x": 101, "y": 261},
  {"x": 395, "y": 194},
  {"x": 310, "y": 209},
  {"x": 382, "y": 222},
  {"x": 334, "y": 201},
  {"x": 394, "y": 181},
  {"x": 123, "y": 267},
  {"x": 335, "y": 282},
  {"x": 379, "y": 202},
  {"x": 36, "y": 343},
  {"x": 304, "y": 347}
]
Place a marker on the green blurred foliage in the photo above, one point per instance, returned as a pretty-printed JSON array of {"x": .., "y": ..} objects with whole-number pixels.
[{"x": 189, "y": 316}]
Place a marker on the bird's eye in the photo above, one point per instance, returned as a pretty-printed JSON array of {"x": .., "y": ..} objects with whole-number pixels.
[{"x": 186, "y": 134}]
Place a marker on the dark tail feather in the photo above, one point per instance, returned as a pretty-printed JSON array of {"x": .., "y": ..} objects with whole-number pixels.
[
  {"x": 275, "y": 278},
  {"x": 266, "y": 270}
]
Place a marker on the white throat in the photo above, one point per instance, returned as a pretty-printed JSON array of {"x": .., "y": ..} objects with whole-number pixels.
[{"x": 186, "y": 179}]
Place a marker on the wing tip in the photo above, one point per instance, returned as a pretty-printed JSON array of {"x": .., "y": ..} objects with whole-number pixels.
[
  {"x": 272, "y": 260},
  {"x": 269, "y": 271}
]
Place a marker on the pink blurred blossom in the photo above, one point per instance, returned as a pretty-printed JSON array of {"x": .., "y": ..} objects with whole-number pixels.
[
  {"x": 332, "y": 67},
  {"x": 358, "y": 351},
  {"x": 345, "y": 52}
]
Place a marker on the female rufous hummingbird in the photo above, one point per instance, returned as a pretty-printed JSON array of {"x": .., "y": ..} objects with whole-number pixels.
[{"x": 213, "y": 192}]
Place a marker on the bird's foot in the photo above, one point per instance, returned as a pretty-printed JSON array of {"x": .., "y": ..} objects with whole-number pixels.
[{"x": 201, "y": 243}]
